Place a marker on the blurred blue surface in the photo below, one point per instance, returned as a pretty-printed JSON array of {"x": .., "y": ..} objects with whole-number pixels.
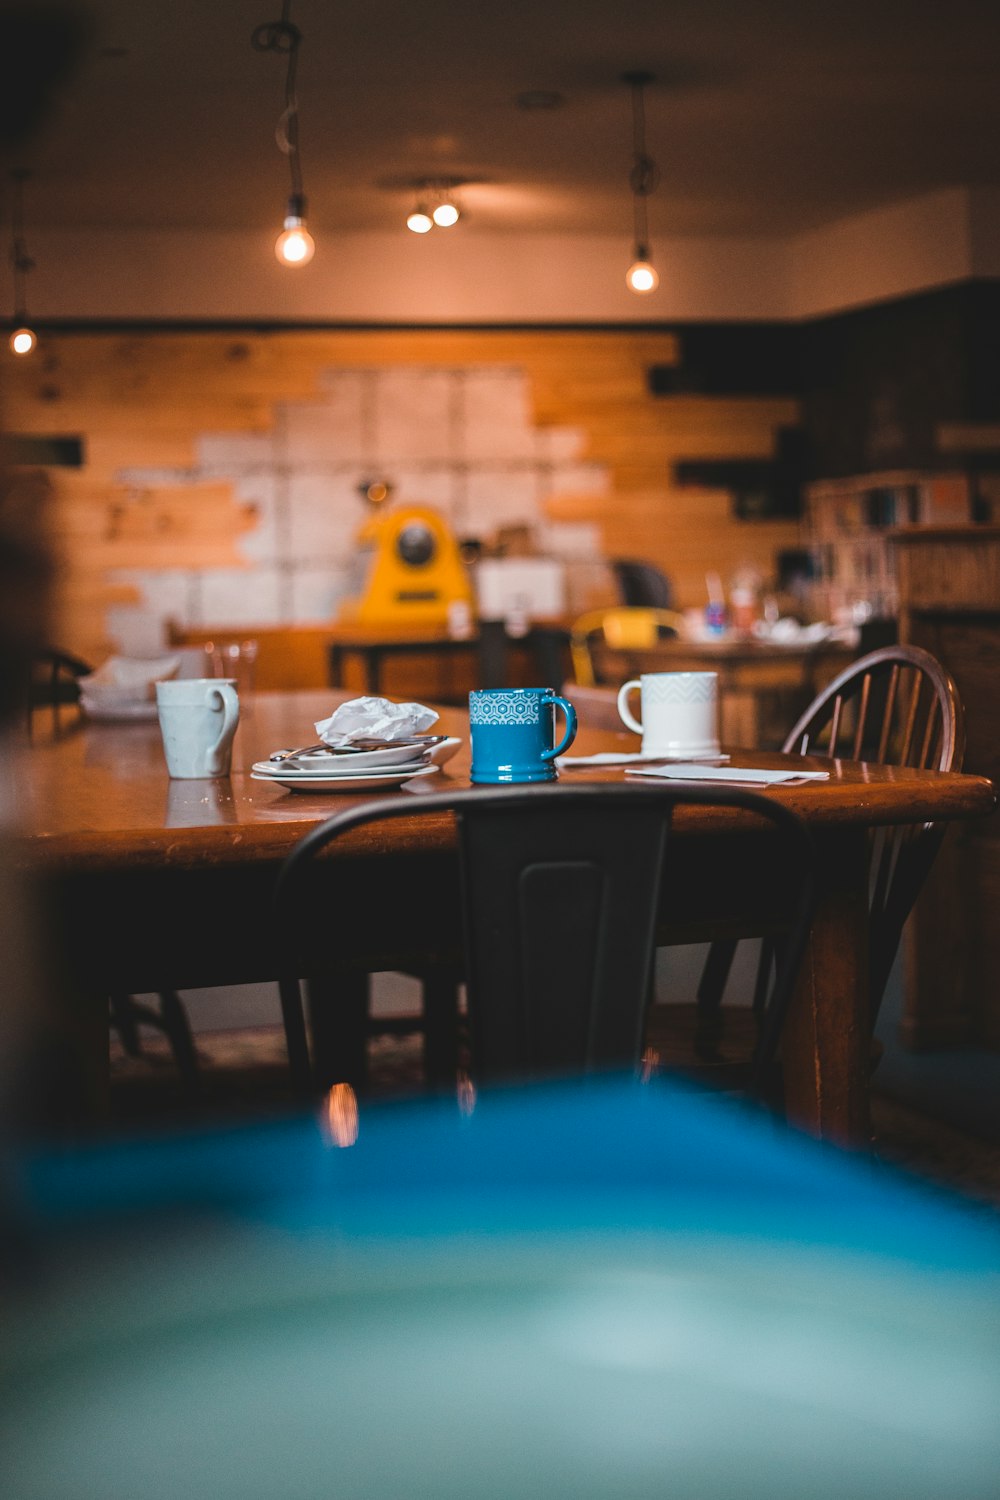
[
  {"x": 598, "y": 1152},
  {"x": 594, "y": 1289}
]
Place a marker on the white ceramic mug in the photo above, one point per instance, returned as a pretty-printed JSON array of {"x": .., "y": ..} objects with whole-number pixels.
[
  {"x": 680, "y": 713},
  {"x": 198, "y": 719}
]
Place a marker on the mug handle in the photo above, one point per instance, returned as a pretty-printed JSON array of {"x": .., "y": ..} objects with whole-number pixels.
[
  {"x": 229, "y": 702},
  {"x": 623, "y": 708},
  {"x": 570, "y": 735}
]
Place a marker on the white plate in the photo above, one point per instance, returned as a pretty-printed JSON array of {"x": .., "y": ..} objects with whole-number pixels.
[
  {"x": 364, "y": 781},
  {"x": 326, "y": 767},
  {"x": 390, "y": 755},
  {"x": 334, "y": 770},
  {"x": 111, "y": 713}
]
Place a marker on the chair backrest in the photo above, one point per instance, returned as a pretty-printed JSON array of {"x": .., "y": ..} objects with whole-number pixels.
[
  {"x": 896, "y": 706},
  {"x": 624, "y": 629},
  {"x": 54, "y": 681},
  {"x": 642, "y": 583},
  {"x": 561, "y": 890},
  {"x": 55, "y": 676}
]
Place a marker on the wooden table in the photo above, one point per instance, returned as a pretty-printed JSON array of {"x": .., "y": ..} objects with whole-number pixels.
[
  {"x": 154, "y": 882},
  {"x": 763, "y": 685}
]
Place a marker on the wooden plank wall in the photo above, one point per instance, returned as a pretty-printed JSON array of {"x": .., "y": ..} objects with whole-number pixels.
[{"x": 143, "y": 399}]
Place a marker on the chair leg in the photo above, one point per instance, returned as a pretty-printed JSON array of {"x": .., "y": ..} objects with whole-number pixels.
[
  {"x": 127, "y": 1014},
  {"x": 440, "y": 1029},
  {"x": 711, "y": 988},
  {"x": 177, "y": 1029},
  {"x": 293, "y": 1017},
  {"x": 125, "y": 1020},
  {"x": 768, "y": 958},
  {"x": 338, "y": 1024}
]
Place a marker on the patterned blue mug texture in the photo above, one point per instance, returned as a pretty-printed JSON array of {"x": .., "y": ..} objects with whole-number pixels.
[{"x": 512, "y": 732}]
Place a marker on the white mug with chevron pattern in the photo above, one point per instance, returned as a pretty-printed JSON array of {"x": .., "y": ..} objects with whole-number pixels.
[{"x": 680, "y": 713}]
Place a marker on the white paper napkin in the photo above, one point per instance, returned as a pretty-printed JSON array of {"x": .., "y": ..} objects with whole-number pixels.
[
  {"x": 625, "y": 758},
  {"x": 735, "y": 775},
  {"x": 374, "y": 718}
]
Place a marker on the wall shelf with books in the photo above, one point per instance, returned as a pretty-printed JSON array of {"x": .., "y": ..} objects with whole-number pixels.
[{"x": 848, "y": 526}]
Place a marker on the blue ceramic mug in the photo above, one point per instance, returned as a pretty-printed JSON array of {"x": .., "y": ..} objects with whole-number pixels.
[{"x": 512, "y": 733}]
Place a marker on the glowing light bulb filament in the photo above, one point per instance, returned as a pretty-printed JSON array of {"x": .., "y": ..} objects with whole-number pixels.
[
  {"x": 641, "y": 276},
  {"x": 446, "y": 214},
  {"x": 22, "y": 341},
  {"x": 295, "y": 245}
]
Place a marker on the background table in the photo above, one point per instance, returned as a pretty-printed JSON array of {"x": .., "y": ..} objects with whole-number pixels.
[
  {"x": 155, "y": 883},
  {"x": 426, "y": 664},
  {"x": 763, "y": 685},
  {"x": 490, "y": 657}
]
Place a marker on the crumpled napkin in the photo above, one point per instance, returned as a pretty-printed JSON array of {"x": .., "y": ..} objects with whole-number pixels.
[
  {"x": 788, "y": 631},
  {"x": 128, "y": 679},
  {"x": 374, "y": 718}
]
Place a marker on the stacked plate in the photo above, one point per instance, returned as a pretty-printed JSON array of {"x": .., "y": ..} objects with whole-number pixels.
[{"x": 349, "y": 770}]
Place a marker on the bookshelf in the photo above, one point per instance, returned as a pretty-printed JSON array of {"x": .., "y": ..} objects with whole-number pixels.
[{"x": 848, "y": 527}]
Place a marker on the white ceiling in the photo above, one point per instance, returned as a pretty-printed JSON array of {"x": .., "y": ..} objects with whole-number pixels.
[{"x": 769, "y": 116}]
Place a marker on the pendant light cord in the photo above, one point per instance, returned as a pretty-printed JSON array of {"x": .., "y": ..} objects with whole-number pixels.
[
  {"x": 285, "y": 37},
  {"x": 645, "y": 174},
  {"x": 20, "y": 260}
]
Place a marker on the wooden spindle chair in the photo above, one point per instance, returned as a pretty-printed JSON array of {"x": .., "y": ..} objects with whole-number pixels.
[{"x": 896, "y": 706}]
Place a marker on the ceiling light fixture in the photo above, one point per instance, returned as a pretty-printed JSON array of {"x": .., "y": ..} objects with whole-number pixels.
[
  {"x": 23, "y": 338},
  {"x": 446, "y": 211},
  {"x": 446, "y": 214},
  {"x": 420, "y": 220},
  {"x": 294, "y": 246},
  {"x": 641, "y": 275},
  {"x": 436, "y": 205}
]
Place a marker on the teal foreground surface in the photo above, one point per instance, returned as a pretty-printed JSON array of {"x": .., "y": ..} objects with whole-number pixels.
[{"x": 579, "y": 1290}]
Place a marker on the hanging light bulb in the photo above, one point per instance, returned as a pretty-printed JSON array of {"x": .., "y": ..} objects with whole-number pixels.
[
  {"x": 447, "y": 211},
  {"x": 420, "y": 220},
  {"x": 295, "y": 246},
  {"x": 23, "y": 338},
  {"x": 22, "y": 341},
  {"x": 641, "y": 276}
]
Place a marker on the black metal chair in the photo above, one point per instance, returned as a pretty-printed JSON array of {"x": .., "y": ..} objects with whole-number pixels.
[
  {"x": 54, "y": 682},
  {"x": 642, "y": 583},
  {"x": 561, "y": 893},
  {"x": 896, "y": 706},
  {"x": 127, "y": 1013}
]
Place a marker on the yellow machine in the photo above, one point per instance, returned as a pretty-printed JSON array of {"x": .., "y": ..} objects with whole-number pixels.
[{"x": 414, "y": 570}]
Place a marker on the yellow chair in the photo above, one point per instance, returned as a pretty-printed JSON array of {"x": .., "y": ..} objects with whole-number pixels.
[{"x": 625, "y": 628}]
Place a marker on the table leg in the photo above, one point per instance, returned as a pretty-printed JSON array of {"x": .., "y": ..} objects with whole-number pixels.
[
  {"x": 336, "y": 665},
  {"x": 373, "y": 671},
  {"x": 826, "y": 1046}
]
